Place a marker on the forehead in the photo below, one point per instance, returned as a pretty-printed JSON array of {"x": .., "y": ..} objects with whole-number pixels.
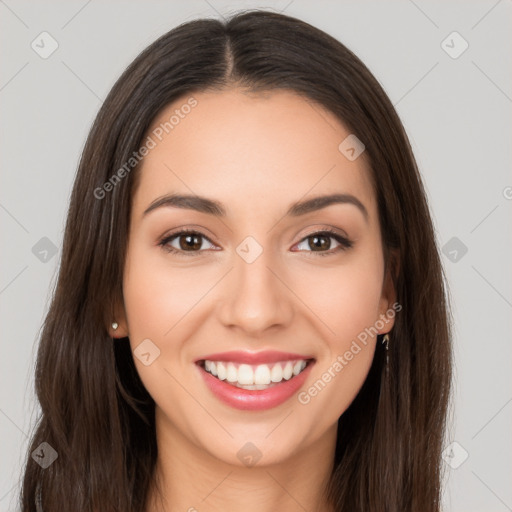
[{"x": 250, "y": 151}]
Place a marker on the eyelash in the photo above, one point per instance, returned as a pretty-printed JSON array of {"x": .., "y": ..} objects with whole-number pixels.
[{"x": 345, "y": 243}]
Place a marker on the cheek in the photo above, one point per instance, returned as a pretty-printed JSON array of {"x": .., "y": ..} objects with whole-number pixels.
[
  {"x": 346, "y": 304},
  {"x": 157, "y": 295},
  {"x": 344, "y": 297},
  {"x": 157, "y": 300}
]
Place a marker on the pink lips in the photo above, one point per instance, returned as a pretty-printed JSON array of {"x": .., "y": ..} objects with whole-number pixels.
[
  {"x": 254, "y": 400},
  {"x": 263, "y": 357}
]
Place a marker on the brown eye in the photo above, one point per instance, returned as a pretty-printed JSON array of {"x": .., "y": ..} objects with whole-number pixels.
[
  {"x": 318, "y": 242},
  {"x": 189, "y": 243},
  {"x": 321, "y": 244}
]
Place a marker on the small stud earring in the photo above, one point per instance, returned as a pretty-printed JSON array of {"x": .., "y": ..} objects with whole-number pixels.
[{"x": 115, "y": 325}]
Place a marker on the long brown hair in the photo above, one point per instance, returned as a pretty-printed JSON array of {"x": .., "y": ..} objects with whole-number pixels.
[{"x": 95, "y": 412}]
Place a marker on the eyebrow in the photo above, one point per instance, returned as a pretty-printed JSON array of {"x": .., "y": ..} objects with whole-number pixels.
[{"x": 212, "y": 207}]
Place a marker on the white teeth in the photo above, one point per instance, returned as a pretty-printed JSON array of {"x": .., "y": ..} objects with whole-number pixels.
[
  {"x": 221, "y": 370},
  {"x": 257, "y": 387},
  {"x": 232, "y": 374},
  {"x": 245, "y": 374},
  {"x": 276, "y": 375},
  {"x": 297, "y": 368},
  {"x": 260, "y": 376},
  {"x": 288, "y": 371}
]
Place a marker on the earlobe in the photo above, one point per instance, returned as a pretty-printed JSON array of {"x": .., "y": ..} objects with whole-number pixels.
[
  {"x": 117, "y": 331},
  {"x": 389, "y": 296},
  {"x": 117, "y": 322}
]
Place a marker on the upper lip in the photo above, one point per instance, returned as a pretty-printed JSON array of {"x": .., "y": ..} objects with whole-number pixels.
[{"x": 262, "y": 357}]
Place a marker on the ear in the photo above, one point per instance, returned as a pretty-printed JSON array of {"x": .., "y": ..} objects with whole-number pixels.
[
  {"x": 387, "y": 304},
  {"x": 119, "y": 317}
]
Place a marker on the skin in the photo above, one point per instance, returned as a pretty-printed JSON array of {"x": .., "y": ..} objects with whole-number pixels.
[{"x": 256, "y": 154}]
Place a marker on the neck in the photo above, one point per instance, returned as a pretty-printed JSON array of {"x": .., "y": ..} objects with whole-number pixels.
[{"x": 190, "y": 479}]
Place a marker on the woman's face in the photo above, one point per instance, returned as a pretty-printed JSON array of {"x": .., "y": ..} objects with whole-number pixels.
[{"x": 259, "y": 280}]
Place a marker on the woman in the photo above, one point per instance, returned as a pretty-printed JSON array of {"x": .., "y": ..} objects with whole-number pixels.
[{"x": 250, "y": 312}]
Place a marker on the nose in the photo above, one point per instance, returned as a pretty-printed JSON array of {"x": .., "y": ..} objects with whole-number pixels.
[{"x": 256, "y": 297}]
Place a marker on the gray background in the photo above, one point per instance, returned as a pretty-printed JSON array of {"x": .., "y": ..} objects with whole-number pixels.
[{"x": 457, "y": 112}]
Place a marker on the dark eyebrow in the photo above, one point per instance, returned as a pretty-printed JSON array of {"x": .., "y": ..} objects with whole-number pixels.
[
  {"x": 319, "y": 202},
  {"x": 189, "y": 202},
  {"x": 212, "y": 207}
]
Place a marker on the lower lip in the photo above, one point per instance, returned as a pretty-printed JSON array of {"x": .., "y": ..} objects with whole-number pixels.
[{"x": 251, "y": 399}]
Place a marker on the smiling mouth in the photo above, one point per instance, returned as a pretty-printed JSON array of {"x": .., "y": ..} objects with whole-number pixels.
[{"x": 254, "y": 376}]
